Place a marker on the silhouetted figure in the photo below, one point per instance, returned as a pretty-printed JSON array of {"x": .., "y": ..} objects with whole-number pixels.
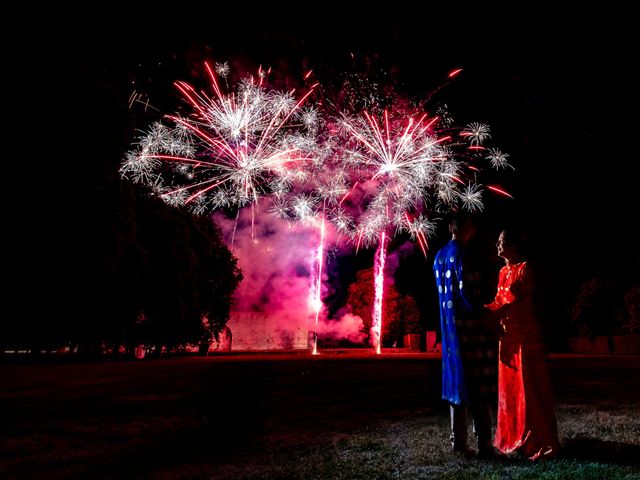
[{"x": 468, "y": 347}]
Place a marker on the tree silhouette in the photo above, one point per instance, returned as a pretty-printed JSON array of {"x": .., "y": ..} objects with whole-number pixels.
[
  {"x": 400, "y": 314},
  {"x": 92, "y": 251}
]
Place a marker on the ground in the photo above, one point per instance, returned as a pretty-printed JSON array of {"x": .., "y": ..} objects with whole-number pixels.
[{"x": 291, "y": 416}]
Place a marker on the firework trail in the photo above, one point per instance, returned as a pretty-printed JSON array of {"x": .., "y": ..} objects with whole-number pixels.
[
  {"x": 311, "y": 196},
  {"x": 317, "y": 284},
  {"x": 376, "y": 323}
]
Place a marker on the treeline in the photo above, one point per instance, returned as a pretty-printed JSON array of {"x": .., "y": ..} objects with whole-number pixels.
[{"x": 90, "y": 259}]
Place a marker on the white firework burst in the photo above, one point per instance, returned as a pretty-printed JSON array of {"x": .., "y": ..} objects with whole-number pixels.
[
  {"x": 309, "y": 117},
  {"x": 154, "y": 141},
  {"x": 139, "y": 168},
  {"x": 446, "y": 120},
  {"x": 472, "y": 198},
  {"x": 421, "y": 226},
  {"x": 304, "y": 206},
  {"x": 476, "y": 132},
  {"x": 342, "y": 220},
  {"x": 200, "y": 205},
  {"x": 372, "y": 223},
  {"x": 175, "y": 198},
  {"x": 498, "y": 159},
  {"x": 223, "y": 69},
  {"x": 279, "y": 208},
  {"x": 332, "y": 190},
  {"x": 281, "y": 102}
]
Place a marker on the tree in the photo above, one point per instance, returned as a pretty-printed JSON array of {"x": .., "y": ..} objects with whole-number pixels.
[
  {"x": 400, "y": 314},
  {"x": 190, "y": 273},
  {"x": 596, "y": 308},
  {"x": 93, "y": 251}
]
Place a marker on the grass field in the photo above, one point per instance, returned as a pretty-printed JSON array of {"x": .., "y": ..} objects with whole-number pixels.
[{"x": 292, "y": 416}]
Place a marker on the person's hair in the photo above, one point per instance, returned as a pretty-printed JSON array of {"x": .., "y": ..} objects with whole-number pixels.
[
  {"x": 454, "y": 225},
  {"x": 460, "y": 221},
  {"x": 516, "y": 236}
]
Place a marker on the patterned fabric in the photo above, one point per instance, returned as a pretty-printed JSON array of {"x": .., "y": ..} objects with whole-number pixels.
[
  {"x": 526, "y": 419},
  {"x": 468, "y": 351},
  {"x": 479, "y": 360}
]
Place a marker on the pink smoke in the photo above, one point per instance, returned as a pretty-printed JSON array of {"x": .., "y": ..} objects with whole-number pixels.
[
  {"x": 277, "y": 258},
  {"x": 348, "y": 327}
]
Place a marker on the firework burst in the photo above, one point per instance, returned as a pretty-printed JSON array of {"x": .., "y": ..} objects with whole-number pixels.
[
  {"x": 411, "y": 168},
  {"x": 229, "y": 149}
]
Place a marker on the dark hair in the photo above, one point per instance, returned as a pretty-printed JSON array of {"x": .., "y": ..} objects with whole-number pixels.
[
  {"x": 515, "y": 235},
  {"x": 454, "y": 225},
  {"x": 460, "y": 221}
]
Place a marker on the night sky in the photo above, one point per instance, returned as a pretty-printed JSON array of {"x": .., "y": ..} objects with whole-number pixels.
[{"x": 554, "y": 87}]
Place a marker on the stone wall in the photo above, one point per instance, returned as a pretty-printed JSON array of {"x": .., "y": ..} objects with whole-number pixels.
[{"x": 259, "y": 331}]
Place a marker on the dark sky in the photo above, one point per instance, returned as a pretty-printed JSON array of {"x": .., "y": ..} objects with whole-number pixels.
[{"x": 554, "y": 86}]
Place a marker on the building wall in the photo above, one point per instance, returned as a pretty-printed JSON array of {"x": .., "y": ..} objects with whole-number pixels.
[{"x": 259, "y": 331}]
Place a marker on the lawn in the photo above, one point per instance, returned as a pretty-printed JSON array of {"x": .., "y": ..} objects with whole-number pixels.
[{"x": 292, "y": 416}]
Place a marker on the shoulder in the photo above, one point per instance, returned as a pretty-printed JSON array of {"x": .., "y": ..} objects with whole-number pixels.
[
  {"x": 443, "y": 253},
  {"x": 522, "y": 271}
]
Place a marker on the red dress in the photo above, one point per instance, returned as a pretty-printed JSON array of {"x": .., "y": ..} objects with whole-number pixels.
[{"x": 526, "y": 419}]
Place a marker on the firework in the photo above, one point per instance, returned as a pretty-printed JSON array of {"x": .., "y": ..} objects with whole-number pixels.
[
  {"x": 228, "y": 149},
  {"x": 409, "y": 167},
  {"x": 376, "y": 168}
]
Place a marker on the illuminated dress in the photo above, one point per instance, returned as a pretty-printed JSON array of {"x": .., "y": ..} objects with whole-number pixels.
[{"x": 526, "y": 419}]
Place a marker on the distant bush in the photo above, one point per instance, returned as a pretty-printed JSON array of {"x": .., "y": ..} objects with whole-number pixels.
[
  {"x": 632, "y": 310},
  {"x": 604, "y": 307}
]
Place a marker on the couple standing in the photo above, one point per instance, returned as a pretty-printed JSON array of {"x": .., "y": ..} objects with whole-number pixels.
[{"x": 526, "y": 421}]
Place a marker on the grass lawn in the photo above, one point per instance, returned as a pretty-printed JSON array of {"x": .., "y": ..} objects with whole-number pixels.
[{"x": 292, "y": 416}]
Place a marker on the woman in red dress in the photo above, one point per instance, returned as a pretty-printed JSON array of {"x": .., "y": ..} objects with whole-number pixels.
[{"x": 526, "y": 422}]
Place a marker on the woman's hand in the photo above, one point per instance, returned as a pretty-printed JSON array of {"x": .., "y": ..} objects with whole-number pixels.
[{"x": 491, "y": 321}]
